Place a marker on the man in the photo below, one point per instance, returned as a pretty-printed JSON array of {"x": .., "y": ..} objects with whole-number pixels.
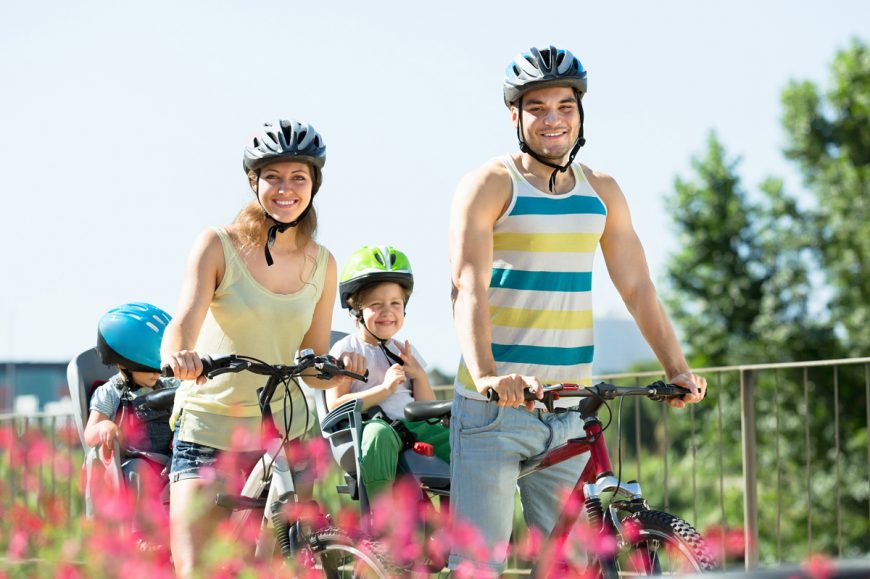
[{"x": 523, "y": 233}]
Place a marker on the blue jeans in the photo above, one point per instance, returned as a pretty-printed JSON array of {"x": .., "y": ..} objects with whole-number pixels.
[{"x": 488, "y": 444}]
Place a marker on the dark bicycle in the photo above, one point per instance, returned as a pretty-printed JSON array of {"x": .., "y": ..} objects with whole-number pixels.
[{"x": 269, "y": 488}]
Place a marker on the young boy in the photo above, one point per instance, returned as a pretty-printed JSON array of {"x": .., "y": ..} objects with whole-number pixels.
[
  {"x": 375, "y": 286},
  {"x": 129, "y": 337}
]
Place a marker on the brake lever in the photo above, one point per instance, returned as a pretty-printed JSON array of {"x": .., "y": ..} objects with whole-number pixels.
[{"x": 236, "y": 366}]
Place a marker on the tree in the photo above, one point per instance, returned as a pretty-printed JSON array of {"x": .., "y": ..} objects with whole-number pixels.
[
  {"x": 829, "y": 139},
  {"x": 744, "y": 288},
  {"x": 740, "y": 286}
]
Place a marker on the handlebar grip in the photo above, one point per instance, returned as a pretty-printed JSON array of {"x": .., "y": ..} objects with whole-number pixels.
[
  {"x": 208, "y": 365},
  {"x": 355, "y": 376},
  {"x": 528, "y": 395}
]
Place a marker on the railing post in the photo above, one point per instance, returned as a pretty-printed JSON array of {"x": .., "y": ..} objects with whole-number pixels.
[{"x": 750, "y": 475}]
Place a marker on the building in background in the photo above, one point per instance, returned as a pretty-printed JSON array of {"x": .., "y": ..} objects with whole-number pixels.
[{"x": 29, "y": 387}]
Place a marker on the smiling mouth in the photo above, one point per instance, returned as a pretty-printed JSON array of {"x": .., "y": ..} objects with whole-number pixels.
[{"x": 289, "y": 203}]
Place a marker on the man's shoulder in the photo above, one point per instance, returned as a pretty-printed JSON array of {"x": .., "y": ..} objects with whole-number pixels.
[
  {"x": 488, "y": 184},
  {"x": 597, "y": 178},
  {"x": 493, "y": 172}
]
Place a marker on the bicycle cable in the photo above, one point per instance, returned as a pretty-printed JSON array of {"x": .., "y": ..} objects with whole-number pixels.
[{"x": 619, "y": 446}]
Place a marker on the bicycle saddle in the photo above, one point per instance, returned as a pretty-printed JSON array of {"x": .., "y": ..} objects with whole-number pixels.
[{"x": 427, "y": 409}]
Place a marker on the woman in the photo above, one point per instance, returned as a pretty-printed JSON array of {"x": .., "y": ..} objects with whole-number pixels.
[{"x": 235, "y": 301}]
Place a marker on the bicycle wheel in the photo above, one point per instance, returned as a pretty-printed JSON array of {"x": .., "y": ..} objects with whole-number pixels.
[
  {"x": 657, "y": 543},
  {"x": 338, "y": 556}
]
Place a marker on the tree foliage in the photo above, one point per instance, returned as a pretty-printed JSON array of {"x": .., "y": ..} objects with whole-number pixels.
[
  {"x": 829, "y": 140},
  {"x": 763, "y": 277},
  {"x": 740, "y": 286}
]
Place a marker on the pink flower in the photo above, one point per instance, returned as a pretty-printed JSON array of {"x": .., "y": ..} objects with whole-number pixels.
[
  {"x": 17, "y": 545},
  {"x": 819, "y": 567}
]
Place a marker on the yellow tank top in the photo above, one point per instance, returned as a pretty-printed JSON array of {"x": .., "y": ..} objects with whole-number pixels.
[{"x": 246, "y": 318}]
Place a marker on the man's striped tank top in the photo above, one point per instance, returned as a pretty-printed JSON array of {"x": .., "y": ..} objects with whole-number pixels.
[{"x": 540, "y": 294}]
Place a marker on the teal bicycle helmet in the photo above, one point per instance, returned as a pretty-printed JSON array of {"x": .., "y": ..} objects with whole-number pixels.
[{"x": 130, "y": 335}]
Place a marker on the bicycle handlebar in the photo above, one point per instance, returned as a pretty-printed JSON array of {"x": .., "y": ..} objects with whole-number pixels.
[
  {"x": 325, "y": 366},
  {"x": 656, "y": 391}
]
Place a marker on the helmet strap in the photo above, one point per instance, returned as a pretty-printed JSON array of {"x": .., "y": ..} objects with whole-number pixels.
[
  {"x": 279, "y": 226},
  {"x": 382, "y": 343},
  {"x": 524, "y": 147}
]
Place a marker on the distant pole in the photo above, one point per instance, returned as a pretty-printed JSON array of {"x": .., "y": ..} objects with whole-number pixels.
[{"x": 10, "y": 364}]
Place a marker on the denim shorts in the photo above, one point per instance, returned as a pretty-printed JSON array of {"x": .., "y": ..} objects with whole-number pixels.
[{"x": 189, "y": 459}]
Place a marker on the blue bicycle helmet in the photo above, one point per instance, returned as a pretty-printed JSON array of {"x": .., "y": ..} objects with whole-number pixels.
[{"x": 130, "y": 335}]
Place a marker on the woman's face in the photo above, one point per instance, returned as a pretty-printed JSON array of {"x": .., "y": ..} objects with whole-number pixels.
[{"x": 285, "y": 188}]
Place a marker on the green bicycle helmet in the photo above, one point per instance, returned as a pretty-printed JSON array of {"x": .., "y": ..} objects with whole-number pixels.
[{"x": 373, "y": 264}]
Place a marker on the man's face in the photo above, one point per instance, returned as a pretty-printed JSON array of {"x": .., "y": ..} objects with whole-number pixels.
[{"x": 551, "y": 121}]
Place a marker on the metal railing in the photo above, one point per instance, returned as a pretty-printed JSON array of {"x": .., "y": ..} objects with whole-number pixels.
[
  {"x": 790, "y": 394},
  {"x": 800, "y": 477}
]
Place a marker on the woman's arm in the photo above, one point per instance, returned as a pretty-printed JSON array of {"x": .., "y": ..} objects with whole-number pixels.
[
  {"x": 205, "y": 268},
  {"x": 317, "y": 337}
]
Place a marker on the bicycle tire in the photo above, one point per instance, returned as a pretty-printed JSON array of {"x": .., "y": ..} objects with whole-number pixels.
[
  {"x": 659, "y": 543},
  {"x": 338, "y": 556}
]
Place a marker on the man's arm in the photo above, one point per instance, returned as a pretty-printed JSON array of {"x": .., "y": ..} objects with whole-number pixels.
[
  {"x": 627, "y": 265},
  {"x": 480, "y": 199}
]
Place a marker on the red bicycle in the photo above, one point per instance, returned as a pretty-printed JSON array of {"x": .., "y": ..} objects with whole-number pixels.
[{"x": 637, "y": 539}]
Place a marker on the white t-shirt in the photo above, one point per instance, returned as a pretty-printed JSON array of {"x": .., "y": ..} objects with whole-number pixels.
[{"x": 378, "y": 364}]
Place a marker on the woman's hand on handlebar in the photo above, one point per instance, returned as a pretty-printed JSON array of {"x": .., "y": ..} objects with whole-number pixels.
[
  {"x": 352, "y": 362},
  {"x": 186, "y": 365},
  {"x": 511, "y": 389},
  {"x": 696, "y": 385}
]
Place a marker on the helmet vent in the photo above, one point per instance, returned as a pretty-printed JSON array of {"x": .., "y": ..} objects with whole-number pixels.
[
  {"x": 546, "y": 58},
  {"x": 380, "y": 258},
  {"x": 152, "y": 326},
  {"x": 159, "y": 320}
]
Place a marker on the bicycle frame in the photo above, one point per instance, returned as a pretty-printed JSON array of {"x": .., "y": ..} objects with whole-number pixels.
[
  {"x": 596, "y": 478},
  {"x": 272, "y": 474}
]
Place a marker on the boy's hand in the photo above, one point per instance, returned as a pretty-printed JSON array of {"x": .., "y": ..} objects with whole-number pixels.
[
  {"x": 412, "y": 367},
  {"x": 109, "y": 433},
  {"x": 394, "y": 378}
]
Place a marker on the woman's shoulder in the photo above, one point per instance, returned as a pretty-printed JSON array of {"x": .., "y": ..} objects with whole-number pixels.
[{"x": 319, "y": 252}]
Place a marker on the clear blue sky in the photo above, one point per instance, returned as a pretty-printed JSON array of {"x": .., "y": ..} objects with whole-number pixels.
[{"x": 123, "y": 125}]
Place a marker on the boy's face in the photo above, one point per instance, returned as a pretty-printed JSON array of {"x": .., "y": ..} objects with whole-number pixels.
[
  {"x": 147, "y": 379},
  {"x": 383, "y": 309}
]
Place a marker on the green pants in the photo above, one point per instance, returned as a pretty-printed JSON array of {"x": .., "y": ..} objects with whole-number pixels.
[{"x": 381, "y": 446}]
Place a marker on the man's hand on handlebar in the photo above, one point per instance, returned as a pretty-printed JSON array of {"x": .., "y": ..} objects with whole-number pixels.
[
  {"x": 511, "y": 389},
  {"x": 186, "y": 365},
  {"x": 696, "y": 385}
]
